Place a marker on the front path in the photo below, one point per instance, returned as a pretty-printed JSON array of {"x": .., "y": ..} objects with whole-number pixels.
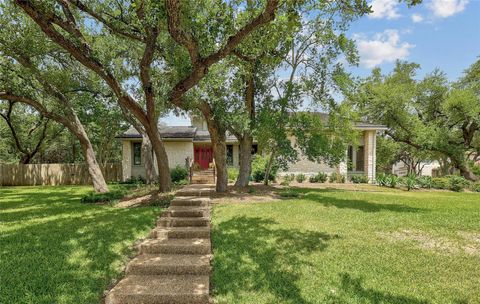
[{"x": 174, "y": 264}]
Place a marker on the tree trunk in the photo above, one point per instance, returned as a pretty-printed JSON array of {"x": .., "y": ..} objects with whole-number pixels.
[
  {"x": 467, "y": 173},
  {"x": 269, "y": 168},
  {"x": 96, "y": 174},
  {"x": 148, "y": 159},
  {"x": 164, "y": 179},
  {"x": 218, "y": 137},
  {"x": 245, "y": 161}
]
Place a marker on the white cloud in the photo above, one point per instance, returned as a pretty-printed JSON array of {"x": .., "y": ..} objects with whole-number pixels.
[
  {"x": 446, "y": 8},
  {"x": 384, "y": 9},
  {"x": 383, "y": 47},
  {"x": 416, "y": 18}
]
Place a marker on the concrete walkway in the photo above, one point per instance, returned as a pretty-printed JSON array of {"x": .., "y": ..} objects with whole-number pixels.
[{"x": 174, "y": 264}]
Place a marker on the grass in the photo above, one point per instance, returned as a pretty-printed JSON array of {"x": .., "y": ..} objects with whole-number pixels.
[
  {"x": 53, "y": 249},
  {"x": 340, "y": 246}
]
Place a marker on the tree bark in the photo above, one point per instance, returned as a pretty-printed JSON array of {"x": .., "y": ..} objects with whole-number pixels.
[
  {"x": 466, "y": 172},
  {"x": 162, "y": 159},
  {"x": 269, "y": 168},
  {"x": 147, "y": 151},
  {"x": 245, "y": 161},
  {"x": 71, "y": 121},
  {"x": 218, "y": 138}
]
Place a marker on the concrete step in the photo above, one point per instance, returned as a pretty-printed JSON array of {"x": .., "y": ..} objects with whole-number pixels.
[
  {"x": 160, "y": 289},
  {"x": 181, "y": 232},
  {"x": 190, "y": 201},
  {"x": 183, "y": 221},
  {"x": 187, "y": 211},
  {"x": 196, "y": 191},
  {"x": 159, "y": 264},
  {"x": 176, "y": 246}
]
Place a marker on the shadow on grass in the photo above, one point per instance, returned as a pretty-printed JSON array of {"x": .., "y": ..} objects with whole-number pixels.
[
  {"x": 56, "y": 250},
  {"x": 254, "y": 254},
  {"x": 326, "y": 197},
  {"x": 351, "y": 288}
]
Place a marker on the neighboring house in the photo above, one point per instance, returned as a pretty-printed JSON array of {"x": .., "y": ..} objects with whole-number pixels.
[
  {"x": 427, "y": 168},
  {"x": 193, "y": 142}
]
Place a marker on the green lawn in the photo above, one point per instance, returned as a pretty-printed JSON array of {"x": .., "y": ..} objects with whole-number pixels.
[
  {"x": 53, "y": 249},
  {"x": 334, "y": 246}
]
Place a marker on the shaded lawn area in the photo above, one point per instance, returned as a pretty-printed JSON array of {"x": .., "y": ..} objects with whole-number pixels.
[
  {"x": 53, "y": 249},
  {"x": 338, "y": 246}
]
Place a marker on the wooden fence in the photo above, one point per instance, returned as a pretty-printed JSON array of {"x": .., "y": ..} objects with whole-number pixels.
[{"x": 54, "y": 174}]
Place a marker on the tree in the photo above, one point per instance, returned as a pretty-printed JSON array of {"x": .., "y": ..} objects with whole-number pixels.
[
  {"x": 29, "y": 75},
  {"x": 427, "y": 115},
  {"x": 141, "y": 37}
]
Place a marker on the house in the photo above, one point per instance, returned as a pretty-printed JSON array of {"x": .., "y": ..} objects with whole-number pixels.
[
  {"x": 427, "y": 168},
  {"x": 193, "y": 142}
]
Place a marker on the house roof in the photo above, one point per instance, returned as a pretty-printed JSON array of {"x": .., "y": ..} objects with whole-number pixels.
[
  {"x": 192, "y": 133},
  {"x": 165, "y": 132}
]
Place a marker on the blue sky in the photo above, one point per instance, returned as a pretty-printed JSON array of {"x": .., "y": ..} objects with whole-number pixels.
[{"x": 442, "y": 34}]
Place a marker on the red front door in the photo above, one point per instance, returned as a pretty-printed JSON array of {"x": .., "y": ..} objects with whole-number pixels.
[{"x": 203, "y": 156}]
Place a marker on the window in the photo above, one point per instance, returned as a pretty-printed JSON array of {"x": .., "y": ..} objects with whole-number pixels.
[
  {"x": 137, "y": 154},
  {"x": 230, "y": 155},
  {"x": 359, "y": 166}
]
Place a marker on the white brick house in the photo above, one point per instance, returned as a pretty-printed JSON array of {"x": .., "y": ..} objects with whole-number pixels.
[{"x": 193, "y": 142}]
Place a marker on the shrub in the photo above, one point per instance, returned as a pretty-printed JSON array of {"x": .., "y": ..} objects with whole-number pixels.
[
  {"x": 259, "y": 164},
  {"x": 92, "y": 197},
  {"x": 232, "y": 174},
  {"x": 182, "y": 182},
  {"x": 410, "y": 182},
  {"x": 392, "y": 181},
  {"x": 381, "y": 180},
  {"x": 300, "y": 178},
  {"x": 457, "y": 183},
  {"x": 425, "y": 182},
  {"x": 359, "y": 179},
  {"x": 288, "y": 193},
  {"x": 134, "y": 180},
  {"x": 178, "y": 173},
  {"x": 475, "y": 187},
  {"x": 440, "y": 183},
  {"x": 320, "y": 177},
  {"x": 337, "y": 178}
]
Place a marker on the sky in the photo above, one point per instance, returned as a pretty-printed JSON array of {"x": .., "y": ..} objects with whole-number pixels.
[{"x": 442, "y": 34}]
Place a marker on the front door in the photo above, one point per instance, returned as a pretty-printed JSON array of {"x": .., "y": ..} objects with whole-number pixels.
[{"x": 203, "y": 156}]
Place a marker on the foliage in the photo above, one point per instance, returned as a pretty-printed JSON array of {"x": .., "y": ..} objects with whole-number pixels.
[
  {"x": 135, "y": 180},
  {"x": 287, "y": 179},
  {"x": 359, "y": 179},
  {"x": 259, "y": 165},
  {"x": 320, "y": 177},
  {"x": 392, "y": 180},
  {"x": 297, "y": 243},
  {"x": 108, "y": 197},
  {"x": 232, "y": 173},
  {"x": 457, "y": 183},
  {"x": 428, "y": 115},
  {"x": 300, "y": 178},
  {"x": 178, "y": 173},
  {"x": 336, "y": 178},
  {"x": 475, "y": 187},
  {"x": 440, "y": 183},
  {"x": 381, "y": 179},
  {"x": 410, "y": 181},
  {"x": 425, "y": 182},
  {"x": 71, "y": 240}
]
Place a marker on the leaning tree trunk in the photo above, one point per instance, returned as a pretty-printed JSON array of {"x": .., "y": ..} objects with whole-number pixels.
[
  {"x": 245, "y": 161},
  {"x": 148, "y": 159},
  {"x": 269, "y": 168},
  {"x": 164, "y": 179},
  {"x": 466, "y": 172}
]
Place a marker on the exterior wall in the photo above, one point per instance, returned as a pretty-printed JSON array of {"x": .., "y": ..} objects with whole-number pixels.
[
  {"x": 370, "y": 144},
  {"x": 126, "y": 159},
  {"x": 401, "y": 169},
  {"x": 177, "y": 152},
  {"x": 307, "y": 167}
]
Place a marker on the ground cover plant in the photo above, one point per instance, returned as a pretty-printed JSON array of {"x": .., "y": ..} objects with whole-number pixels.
[
  {"x": 379, "y": 245},
  {"x": 54, "y": 249}
]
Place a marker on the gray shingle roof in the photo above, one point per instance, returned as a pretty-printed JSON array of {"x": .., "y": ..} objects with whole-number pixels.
[{"x": 165, "y": 132}]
